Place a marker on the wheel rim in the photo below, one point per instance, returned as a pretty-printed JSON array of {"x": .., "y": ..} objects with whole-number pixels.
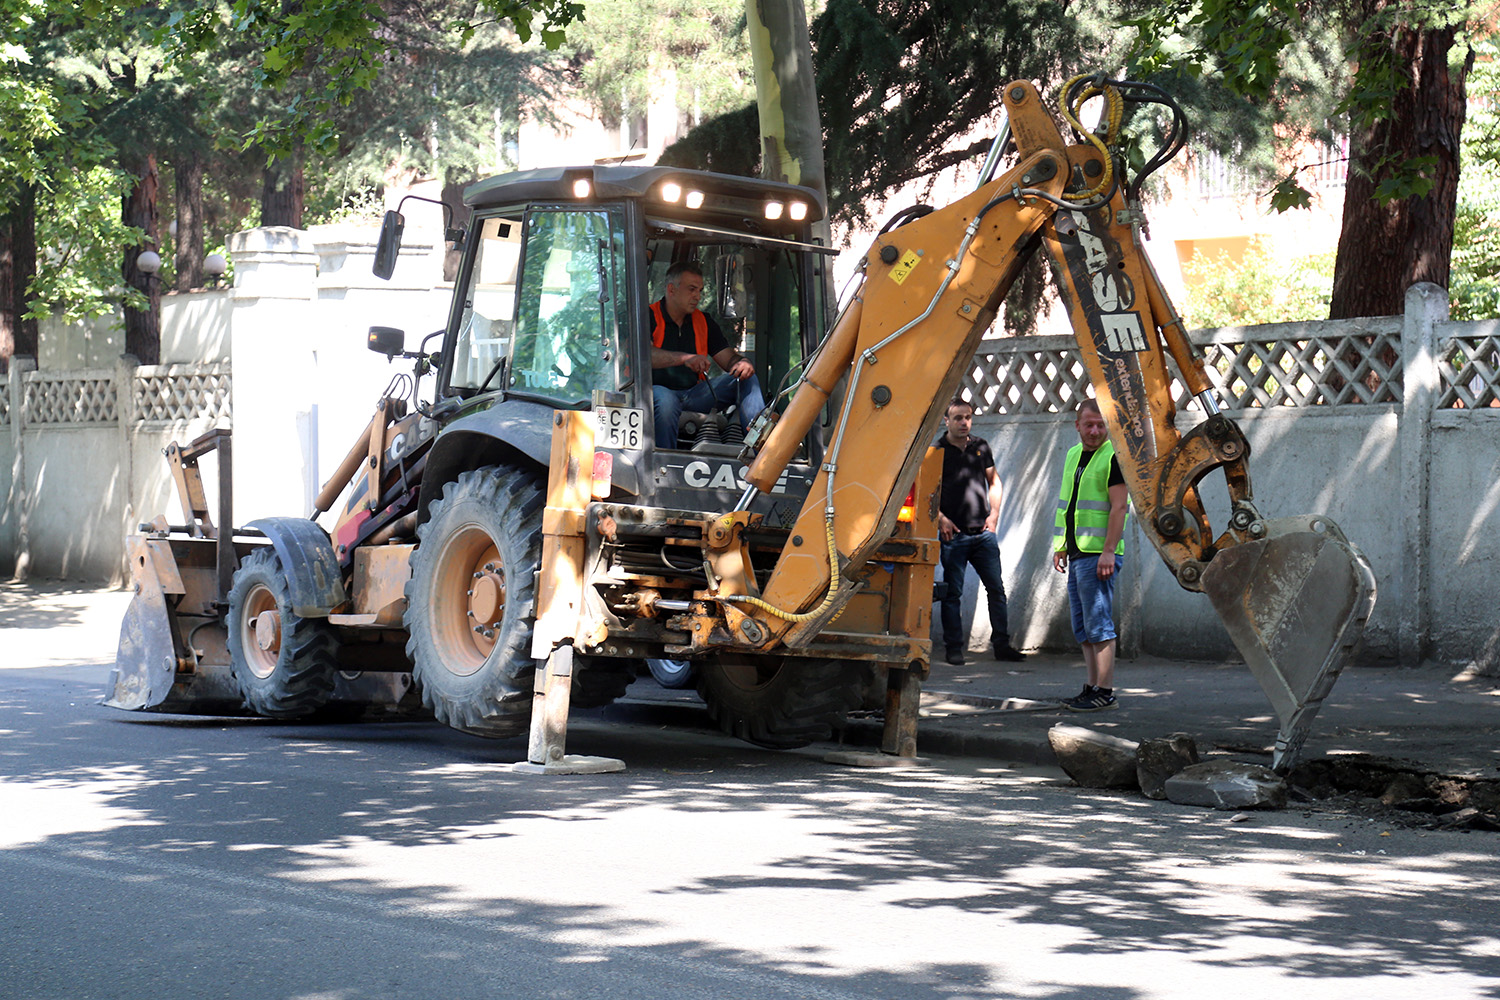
[
  {"x": 468, "y": 600},
  {"x": 260, "y": 662}
]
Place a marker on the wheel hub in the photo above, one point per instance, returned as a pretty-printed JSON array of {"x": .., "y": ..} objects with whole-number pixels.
[
  {"x": 268, "y": 631},
  {"x": 487, "y": 596}
]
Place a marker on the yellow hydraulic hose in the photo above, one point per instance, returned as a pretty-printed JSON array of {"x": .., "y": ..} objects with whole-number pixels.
[{"x": 1114, "y": 112}]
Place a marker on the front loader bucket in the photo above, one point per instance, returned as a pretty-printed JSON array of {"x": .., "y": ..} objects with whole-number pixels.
[
  {"x": 145, "y": 661},
  {"x": 1295, "y": 602},
  {"x": 156, "y": 670}
]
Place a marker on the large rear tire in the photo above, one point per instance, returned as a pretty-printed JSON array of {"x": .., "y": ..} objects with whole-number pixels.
[
  {"x": 780, "y": 702},
  {"x": 471, "y": 601},
  {"x": 283, "y": 665}
]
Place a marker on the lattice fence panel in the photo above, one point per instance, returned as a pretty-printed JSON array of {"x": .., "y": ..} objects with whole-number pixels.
[
  {"x": 179, "y": 393},
  {"x": 1029, "y": 375},
  {"x": 1332, "y": 370},
  {"x": 1469, "y": 372},
  {"x": 1302, "y": 366},
  {"x": 82, "y": 397}
]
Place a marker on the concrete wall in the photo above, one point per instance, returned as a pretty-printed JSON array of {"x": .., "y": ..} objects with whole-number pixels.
[
  {"x": 305, "y": 382},
  {"x": 1414, "y": 484},
  {"x": 194, "y": 328},
  {"x": 74, "y": 489},
  {"x": 1329, "y": 462}
]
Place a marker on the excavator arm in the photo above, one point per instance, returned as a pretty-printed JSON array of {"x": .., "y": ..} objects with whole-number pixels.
[{"x": 1293, "y": 593}]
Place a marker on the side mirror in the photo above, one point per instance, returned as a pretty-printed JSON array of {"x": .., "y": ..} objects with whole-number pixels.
[
  {"x": 387, "y": 340},
  {"x": 389, "y": 246}
]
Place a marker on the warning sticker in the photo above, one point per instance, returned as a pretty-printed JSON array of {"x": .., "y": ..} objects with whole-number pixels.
[{"x": 904, "y": 266}]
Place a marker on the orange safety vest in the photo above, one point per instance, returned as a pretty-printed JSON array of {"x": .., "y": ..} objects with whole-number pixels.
[{"x": 700, "y": 329}]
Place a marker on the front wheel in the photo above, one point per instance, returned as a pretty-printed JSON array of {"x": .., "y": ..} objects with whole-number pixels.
[
  {"x": 780, "y": 702},
  {"x": 283, "y": 665},
  {"x": 471, "y": 601}
]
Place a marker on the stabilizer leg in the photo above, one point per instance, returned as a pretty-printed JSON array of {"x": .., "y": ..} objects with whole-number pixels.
[{"x": 547, "y": 749}]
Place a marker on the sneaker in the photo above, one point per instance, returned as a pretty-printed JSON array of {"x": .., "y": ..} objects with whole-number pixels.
[
  {"x": 1009, "y": 653},
  {"x": 1093, "y": 700},
  {"x": 1088, "y": 689},
  {"x": 955, "y": 657}
]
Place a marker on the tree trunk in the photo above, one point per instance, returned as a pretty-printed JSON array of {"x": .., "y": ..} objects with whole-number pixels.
[
  {"x": 189, "y": 185},
  {"x": 142, "y": 327},
  {"x": 786, "y": 95},
  {"x": 1384, "y": 249},
  {"x": 786, "y": 91},
  {"x": 282, "y": 193},
  {"x": 18, "y": 335}
]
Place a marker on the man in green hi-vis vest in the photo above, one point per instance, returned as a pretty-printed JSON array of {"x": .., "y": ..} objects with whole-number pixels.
[{"x": 1088, "y": 544}]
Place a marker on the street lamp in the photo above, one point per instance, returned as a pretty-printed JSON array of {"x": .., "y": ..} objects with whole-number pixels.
[
  {"x": 214, "y": 265},
  {"x": 148, "y": 262}
]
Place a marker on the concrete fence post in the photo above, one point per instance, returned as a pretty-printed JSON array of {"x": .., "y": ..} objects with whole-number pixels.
[
  {"x": 273, "y": 352},
  {"x": 19, "y": 500},
  {"x": 1426, "y": 306}
]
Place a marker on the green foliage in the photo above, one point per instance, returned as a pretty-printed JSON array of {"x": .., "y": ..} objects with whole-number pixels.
[
  {"x": 1286, "y": 57},
  {"x": 435, "y": 111},
  {"x": 1474, "y": 284},
  {"x": 1258, "y": 288},
  {"x": 78, "y": 224},
  {"x": 623, "y": 52},
  {"x": 1288, "y": 194},
  {"x": 318, "y": 56}
]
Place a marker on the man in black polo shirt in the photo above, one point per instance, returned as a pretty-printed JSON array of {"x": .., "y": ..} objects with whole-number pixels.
[
  {"x": 684, "y": 341},
  {"x": 967, "y": 517}
]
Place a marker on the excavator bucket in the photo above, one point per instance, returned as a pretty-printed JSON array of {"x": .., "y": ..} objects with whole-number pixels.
[{"x": 1295, "y": 602}]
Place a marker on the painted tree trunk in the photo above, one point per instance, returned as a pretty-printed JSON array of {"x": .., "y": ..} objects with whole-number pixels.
[
  {"x": 18, "y": 335},
  {"x": 282, "y": 193}
]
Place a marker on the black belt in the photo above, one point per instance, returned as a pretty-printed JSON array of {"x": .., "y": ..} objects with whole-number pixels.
[{"x": 972, "y": 531}]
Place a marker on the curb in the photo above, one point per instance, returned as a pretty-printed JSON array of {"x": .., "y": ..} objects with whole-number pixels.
[{"x": 933, "y": 737}]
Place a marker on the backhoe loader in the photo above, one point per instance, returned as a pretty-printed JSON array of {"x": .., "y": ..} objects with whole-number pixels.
[{"x": 517, "y": 543}]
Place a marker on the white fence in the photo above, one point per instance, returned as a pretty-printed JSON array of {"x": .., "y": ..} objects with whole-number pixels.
[{"x": 80, "y": 458}]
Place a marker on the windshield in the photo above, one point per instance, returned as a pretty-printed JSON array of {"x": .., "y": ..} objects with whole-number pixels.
[
  {"x": 567, "y": 318},
  {"x": 542, "y": 309}
]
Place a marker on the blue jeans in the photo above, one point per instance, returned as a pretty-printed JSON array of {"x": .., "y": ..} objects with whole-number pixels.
[
  {"x": 982, "y": 551},
  {"x": 1092, "y": 600},
  {"x": 718, "y": 393}
]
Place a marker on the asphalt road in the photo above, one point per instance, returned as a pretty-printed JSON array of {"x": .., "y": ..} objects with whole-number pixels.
[{"x": 150, "y": 856}]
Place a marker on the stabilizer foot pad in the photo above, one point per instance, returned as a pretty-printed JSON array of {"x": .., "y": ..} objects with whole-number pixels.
[
  {"x": 864, "y": 758},
  {"x": 572, "y": 764}
]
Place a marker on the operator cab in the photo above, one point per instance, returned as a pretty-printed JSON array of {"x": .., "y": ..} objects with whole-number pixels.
[{"x": 562, "y": 265}]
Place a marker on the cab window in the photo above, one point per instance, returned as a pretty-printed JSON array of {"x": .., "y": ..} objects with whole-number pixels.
[{"x": 567, "y": 306}]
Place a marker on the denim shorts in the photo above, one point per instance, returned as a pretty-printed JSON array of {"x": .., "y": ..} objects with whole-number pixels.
[{"x": 1092, "y": 600}]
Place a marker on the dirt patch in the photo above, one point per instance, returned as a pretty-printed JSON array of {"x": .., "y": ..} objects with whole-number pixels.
[{"x": 1399, "y": 792}]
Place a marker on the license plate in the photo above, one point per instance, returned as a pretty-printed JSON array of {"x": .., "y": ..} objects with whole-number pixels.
[{"x": 621, "y": 428}]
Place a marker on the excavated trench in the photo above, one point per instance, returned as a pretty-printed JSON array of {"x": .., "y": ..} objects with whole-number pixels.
[{"x": 1399, "y": 792}]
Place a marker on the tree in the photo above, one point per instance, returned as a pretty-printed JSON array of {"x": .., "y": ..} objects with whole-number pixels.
[
  {"x": 1474, "y": 285},
  {"x": 627, "y": 54},
  {"x": 1404, "y": 101},
  {"x": 336, "y": 47},
  {"x": 902, "y": 86}
]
